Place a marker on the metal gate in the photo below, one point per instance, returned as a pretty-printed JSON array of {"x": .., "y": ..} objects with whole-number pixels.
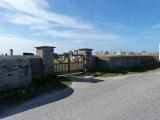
[{"x": 68, "y": 63}]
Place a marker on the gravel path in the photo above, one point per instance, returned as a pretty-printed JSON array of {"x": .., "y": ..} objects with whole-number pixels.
[{"x": 132, "y": 97}]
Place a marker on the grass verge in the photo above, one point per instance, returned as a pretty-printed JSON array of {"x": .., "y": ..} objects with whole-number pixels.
[{"x": 138, "y": 69}]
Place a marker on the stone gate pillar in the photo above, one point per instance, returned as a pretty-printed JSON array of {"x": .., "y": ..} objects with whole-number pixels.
[
  {"x": 88, "y": 59},
  {"x": 47, "y": 55}
]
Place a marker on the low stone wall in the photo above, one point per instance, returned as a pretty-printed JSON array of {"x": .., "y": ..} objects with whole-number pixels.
[
  {"x": 93, "y": 63},
  {"x": 123, "y": 62},
  {"x": 15, "y": 71},
  {"x": 18, "y": 71},
  {"x": 36, "y": 67}
]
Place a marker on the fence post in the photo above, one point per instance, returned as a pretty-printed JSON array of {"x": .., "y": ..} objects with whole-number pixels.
[{"x": 47, "y": 55}]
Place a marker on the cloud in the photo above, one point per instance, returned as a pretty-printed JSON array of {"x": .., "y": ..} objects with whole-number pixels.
[
  {"x": 118, "y": 26},
  {"x": 37, "y": 15},
  {"x": 156, "y": 26},
  {"x": 33, "y": 22},
  {"x": 82, "y": 36},
  {"x": 37, "y": 9},
  {"x": 21, "y": 44},
  {"x": 18, "y": 44}
]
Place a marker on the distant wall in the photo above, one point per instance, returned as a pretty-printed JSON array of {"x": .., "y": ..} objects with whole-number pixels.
[
  {"x": 93, "y": 63},
  {"x": 123, "y": 62},
  {"x": 15, "y": 71}
]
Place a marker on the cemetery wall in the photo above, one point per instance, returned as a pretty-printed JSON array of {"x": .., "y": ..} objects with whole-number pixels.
[{"x": 123, "y": 62}]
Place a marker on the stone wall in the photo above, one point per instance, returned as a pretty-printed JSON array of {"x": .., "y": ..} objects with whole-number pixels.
[
  {"x": 36, "y": 67},
  {"x": 47, "y": 55},
  {"x": 18, "y": 71},
  {"x": 122, "y": 62},
  {"x": 15, "y": 71},
  {"x": 93, "y": 63},
  {"x": 89, "y": 59}
]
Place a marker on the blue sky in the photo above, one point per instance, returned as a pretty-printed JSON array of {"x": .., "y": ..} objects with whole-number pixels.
[{"x": 129, "y": 25}]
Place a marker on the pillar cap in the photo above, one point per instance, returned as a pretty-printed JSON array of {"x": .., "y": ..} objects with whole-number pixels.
[
  {"x": 41, "y": 47},
  {"x": 85, "y": 49}
]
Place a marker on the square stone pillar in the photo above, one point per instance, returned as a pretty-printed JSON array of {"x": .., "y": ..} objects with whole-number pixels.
[
  {"x": 47, "y": 55},
  {"x": 88, "y": 59}
]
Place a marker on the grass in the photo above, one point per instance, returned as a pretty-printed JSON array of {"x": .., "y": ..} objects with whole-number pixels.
[
  {"x": 16, "y": 96},
  {"x": 138, "y": 69},
  {"x": 102, "y": 74}
]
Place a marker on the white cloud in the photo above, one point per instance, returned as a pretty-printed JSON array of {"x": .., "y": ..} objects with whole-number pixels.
[
  {"x": 82, "y": 36},
  {"x": 37, "y": 15},
  {"x": 18, "y": 44},
  {"x": 28, "y": 20},
  {"x": 118, "y": 26},
  {"x": 36, "y": 8},
  {"x": 156, "y": 26}
]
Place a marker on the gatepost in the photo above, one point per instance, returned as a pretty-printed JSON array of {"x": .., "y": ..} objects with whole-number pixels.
[
  {"x": 47, "y": 55},
  {"x": 88, "y": 61}
]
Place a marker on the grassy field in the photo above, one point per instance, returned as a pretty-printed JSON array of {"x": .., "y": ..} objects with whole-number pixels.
[{"x": 42, "y": 87}]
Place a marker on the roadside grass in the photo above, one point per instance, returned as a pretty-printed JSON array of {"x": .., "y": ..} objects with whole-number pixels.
[
  {"x": 19, "y": 95},
  {"x": 102, "y": 73},
  {"x": 138, "y": 69}
]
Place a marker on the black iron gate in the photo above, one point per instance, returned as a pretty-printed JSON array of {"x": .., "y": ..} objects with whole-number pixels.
[{"x": 68, "y": 63}]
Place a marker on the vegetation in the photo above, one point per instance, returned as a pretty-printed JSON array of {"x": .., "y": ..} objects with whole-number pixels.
[
  {"x": 143, "y": 67},
  {"x": 42, "y": 87},
  {"x": 102, "y": 73}
]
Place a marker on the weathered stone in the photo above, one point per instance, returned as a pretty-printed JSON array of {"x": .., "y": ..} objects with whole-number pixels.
[
  {"x": 89, "y": 60},
  {"x": 36, "y": 67},
  {"x": 123, "y": 62},
  {"x": 15, "y": 72},
  {"x": 47, "y": 55}
]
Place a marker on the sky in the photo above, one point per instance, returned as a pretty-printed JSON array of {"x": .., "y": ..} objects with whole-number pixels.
[{"x": 128, "y": 25}]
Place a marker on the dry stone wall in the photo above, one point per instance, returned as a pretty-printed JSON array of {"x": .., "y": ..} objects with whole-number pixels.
[
  {"x": 36, "y": 67},
  {"x": 123, "y": 62},
  {"x": 15, "y": 71},
  {"x": 18, "y": 71}
]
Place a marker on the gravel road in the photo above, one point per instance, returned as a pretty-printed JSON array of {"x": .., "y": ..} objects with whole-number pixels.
[{"x": 131, "y": 97}]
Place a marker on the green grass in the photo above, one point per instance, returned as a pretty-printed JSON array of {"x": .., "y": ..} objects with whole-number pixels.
[
  {"x": 102, "y": 74},
  {"x": 111, "y": 73},
  {"x": 138, "y": 69},
  {"x": 16, "y": 96}
]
